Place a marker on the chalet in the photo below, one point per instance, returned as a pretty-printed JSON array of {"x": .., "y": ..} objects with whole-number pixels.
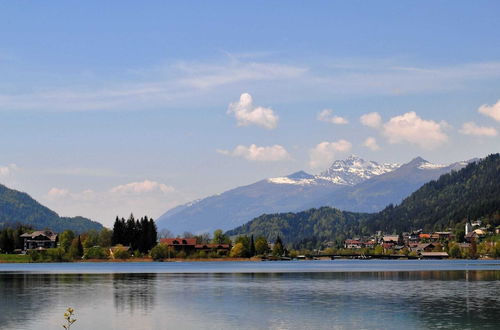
[
  {"x": 424, "y": 236},
  {"x": 424, "y": 247},
  {"x": 443, "y": 235},
  {"x": 392, "y": 239},
  {"x": 41, "y": 239},
  {"x": 353, "y": 244},
  {"x": 414, "y": 236},
  {"x": 180, "y": 244}
]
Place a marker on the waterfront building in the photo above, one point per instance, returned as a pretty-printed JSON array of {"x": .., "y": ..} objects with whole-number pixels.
[{"x": 41, "y": 239}]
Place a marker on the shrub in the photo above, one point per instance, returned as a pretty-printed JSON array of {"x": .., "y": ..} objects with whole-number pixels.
[
  {"x": 95, "y": 252},
  {"x": 159, "y": 252}
]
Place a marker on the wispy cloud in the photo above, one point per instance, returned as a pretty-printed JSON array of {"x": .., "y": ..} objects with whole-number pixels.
[{"x": 209, "y": 82}]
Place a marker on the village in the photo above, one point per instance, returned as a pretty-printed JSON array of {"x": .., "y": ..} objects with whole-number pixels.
[{"x": 422, "y": 245}]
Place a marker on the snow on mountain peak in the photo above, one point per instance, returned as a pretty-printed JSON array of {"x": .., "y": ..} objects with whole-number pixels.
[
  {"x": 350, "y": 171},
  {"x": 354, "y": 170}
]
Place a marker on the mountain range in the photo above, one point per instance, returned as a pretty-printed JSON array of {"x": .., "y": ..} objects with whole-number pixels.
[
  {"x": 20, "y": 208},
  {"x": 352, "y": 184},
  {"x": 443, "y": 204}
]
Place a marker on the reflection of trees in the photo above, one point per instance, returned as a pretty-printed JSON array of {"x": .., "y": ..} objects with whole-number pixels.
[
  {"x": 133, "y": 292},
  {"x": 25, "y": 296}
]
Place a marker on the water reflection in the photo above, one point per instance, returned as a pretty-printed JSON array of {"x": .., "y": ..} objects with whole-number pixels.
[
  {"x": 413, "y": 300},
  {"x": 134, "y": 292}
]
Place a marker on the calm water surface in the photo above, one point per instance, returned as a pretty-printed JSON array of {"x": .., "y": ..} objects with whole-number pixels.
[{"x": 336, "y": 294}]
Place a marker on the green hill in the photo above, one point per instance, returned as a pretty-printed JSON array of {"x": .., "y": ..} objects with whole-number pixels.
[
  {"x": 473, "y": 192},
  {"x": 19, "y": 208}
]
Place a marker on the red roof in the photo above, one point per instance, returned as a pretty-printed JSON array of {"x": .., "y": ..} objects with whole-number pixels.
[
  {"x": 425, "y": 235},
  {"x": 178, "y": 241}
]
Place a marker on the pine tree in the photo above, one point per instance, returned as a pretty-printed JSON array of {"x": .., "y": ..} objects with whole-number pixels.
[{"x": 252, "y": 247}]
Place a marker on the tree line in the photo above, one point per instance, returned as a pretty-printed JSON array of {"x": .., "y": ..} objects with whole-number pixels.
[{"x": 140, "y": 234}]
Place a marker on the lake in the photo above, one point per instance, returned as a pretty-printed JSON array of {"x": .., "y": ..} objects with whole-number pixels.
[{"x": 339, "y": 294}]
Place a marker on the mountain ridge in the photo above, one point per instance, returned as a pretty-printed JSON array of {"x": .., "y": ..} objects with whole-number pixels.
[
  {"x": 299, "y": 191},
  {"x": 18, "y": 207}
]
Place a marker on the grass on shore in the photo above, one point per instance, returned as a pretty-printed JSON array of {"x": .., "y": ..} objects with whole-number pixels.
[{"x": 14, "y": 258}]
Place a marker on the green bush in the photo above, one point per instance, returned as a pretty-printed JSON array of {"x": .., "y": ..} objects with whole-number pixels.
[
  {"x": 95, "y": 252},
  {"x": 122, "y": 254},
  {"x": 159, "y": 252}
]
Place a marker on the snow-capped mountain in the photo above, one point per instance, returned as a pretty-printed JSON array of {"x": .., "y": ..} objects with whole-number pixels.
[
  {"x": 354, "y": 170},
  {"x": 352, "y": 184},
  {"x": 350, "y": 172}
]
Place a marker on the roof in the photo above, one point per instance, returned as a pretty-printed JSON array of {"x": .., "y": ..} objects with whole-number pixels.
[
  {"x": 50, "y": 235},
  {"x": 425, "y": 235},
  {"x": 352, "y": 241},
  {"x": 394, "y": 238},
  {"x": 179, "y": 241}
]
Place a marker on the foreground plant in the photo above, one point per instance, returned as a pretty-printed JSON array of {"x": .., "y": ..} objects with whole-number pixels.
[{"x": 68, "y": 317}]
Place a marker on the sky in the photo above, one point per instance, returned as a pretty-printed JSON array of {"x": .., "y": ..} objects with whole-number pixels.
[{"x": 118, "y": 107}]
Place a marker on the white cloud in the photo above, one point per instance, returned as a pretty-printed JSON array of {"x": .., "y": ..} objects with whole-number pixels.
[
  {"x": 247, "y": 114},
  {"x": 371, "y": 143},
  {"x": 260, "y": 154},
  {"x": 8, "y": 170},
  {"x": 327, "y": 116},
  {"x": 410, "y": 128},
  {"x": 323, "y": 154},
  {"x": 371, "y": 119},
  {"x": 145, "y": 186},
  {"x": 470, "y": 128},
  {"x": 55, "y": 193},
  {"x": 491, "y": 111}
]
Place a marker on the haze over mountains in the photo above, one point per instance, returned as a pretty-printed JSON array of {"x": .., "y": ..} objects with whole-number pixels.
[{"x": 352, "y": 184}]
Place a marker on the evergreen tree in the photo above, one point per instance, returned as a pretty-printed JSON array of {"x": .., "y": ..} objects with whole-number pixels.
[
  {"x": 252, "y": 247},
  {"x": 278, "y": 249}
]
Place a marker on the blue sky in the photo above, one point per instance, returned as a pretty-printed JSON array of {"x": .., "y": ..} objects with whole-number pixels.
[{"x": 118, "y": 107}]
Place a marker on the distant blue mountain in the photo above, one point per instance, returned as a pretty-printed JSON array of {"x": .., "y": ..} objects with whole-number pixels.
[{"x": 352, "y": 184}]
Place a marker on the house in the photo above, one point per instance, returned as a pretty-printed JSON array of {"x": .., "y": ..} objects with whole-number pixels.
[
  {"x": 180, "y": 244},
  {"x": 392, "y": 239},
  {"x": 353, "y": 244},
  {"x": 424, "y": 247},
  {"x": 41, "y": 240},
  {"x": 213, "y": 247},
  {"x": 443, "y": 235}
]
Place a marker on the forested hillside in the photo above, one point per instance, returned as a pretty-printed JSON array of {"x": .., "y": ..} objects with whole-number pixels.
[
  {"x": 306, "y": 229},
  {"x": 19, "y": 208},
  {"x": 473, "y": 192}
]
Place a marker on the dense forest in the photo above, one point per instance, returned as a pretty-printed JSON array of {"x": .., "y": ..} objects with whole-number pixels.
[
  {"x": 473, "y": 193},
  {"x": 19, "y": 208},
  {"x": 306, "y": 229}
]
